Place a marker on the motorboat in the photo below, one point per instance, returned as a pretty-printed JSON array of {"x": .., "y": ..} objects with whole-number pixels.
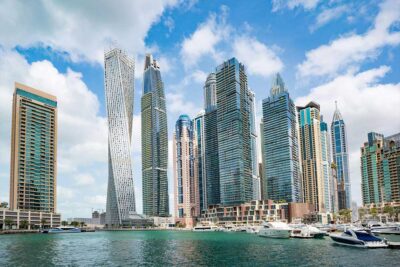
[
  {"x": 359, "y": 238},
  {"x": 62, "y": 229},
  {"x": 275, "y": 230},
  {"x": 307, "y": 231},
  {"x": 205, "y": 228},
  {"x": 380, "y": 228}
]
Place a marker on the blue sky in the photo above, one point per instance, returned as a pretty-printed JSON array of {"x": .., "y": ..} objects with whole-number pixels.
[{"x": 325, "y": 50}]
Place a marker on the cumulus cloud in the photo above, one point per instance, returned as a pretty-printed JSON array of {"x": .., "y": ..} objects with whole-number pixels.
[
  {"x": 365, "y": 104},
  {"x": 328, "y": 15},
  {"x": 351, "y": 50},
  {"x": 66, "y": 25},
  {"x": 291, "y": 4},
  {"x": 256, "y": 56},
  {"x": 205, "y": 39}
]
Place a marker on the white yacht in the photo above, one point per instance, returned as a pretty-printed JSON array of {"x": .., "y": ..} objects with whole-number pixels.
[
  {"x": 380, "y": 228},
  {"x": 359, "y": 238},
  {"x": 275, "y": 230},
  {"x": 307, "y": 231},
  {"x": 61, "y": 229}
]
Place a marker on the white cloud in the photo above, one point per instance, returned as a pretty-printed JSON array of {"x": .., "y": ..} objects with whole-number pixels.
[
  {"x": 66, "y": 25},
  {"x": 65, "y": 193},
  {"x": 353, "y": 49},
  {"x": 365, "y": 104},
  {"x": 328, "y": 15},
  {"x": 256, "y": 56},
  {"x": 205, "y": 39},
  {"x": 177, "y": 105},
  {"x": 84, "y": 179},
  {"x": 97, "y": 200},
  {"x": 291, "y": 4}
]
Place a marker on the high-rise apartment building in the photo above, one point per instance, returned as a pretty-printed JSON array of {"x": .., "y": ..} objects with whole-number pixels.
[
  {"x": 211, "y": 142},
  {"x": 280, "y": 146},
  {"x": 186, "y": 184},
  {"x": 33, "y": 176},
  {"x": 341, "y": 159},
  {"x": 391, "y": 168},
  {"x": 234, "y": 133},
  {"x": 380, "y": 169},
  {"x": 210, "y": 92},
  {"x": 200, "y": 158},
  {"x": 254, "y": 157},
  {"x": 154, "y": 142},
  {"x": 311, "y": 155},
  {"x": 326, "y": 167},
  {"x": 119, "y": 70},
  {"x": 371, "y": 169}
]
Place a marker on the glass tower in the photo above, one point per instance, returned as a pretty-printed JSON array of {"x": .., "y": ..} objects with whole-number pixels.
[
  {"x": 119, "y": 72},
  {"x": 154, "y": 142},
  {"x": 280, "y": 146},
  {"x": 341, "y": 159},
  {"x": 186, "y": 186},
  {"x": 326, "y": 167},
  {"x": 254, "y": 158},
  {"x": 33, "y": 150},
  {"x": 234, "y": 134},
  {"x": 200, "y": 158},
  {"x": 311, "y": 155}
]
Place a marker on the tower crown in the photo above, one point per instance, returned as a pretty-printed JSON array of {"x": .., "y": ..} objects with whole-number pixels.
[{"x": 278, "y": 85}]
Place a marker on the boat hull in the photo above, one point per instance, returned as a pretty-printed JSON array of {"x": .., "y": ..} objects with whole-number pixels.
[{"x": 275, "y": 233}]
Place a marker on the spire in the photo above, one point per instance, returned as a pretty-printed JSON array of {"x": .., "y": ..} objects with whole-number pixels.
[
  {"x": 277, "y": 86},
  {"x": 336, "y": 115}
]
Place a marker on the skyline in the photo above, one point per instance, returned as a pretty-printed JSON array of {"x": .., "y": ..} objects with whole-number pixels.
[{"x": 78, "y": 89}]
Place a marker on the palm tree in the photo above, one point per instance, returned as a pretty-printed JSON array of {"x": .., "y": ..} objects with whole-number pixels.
[
  {"x": 64, "y": 223},
  {"x": 23, "y": 224},
  {"x": 82, "y": 224},
  {"x": 3, "y": 204},
  {"x": 8, "y": 222},
  {"x": 43, "y": 222}
]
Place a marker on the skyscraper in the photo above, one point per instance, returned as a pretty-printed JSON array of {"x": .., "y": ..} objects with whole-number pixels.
[
  {"x": 380, "y": 169},
  {"x": 282, "y": 175},
  {"x": 33, "y": 167},
  {"x": 211, "y": 142},
  {"x": 254, "y": 158},
  {"x": 311, "y": 155},
  {"x": 234, "y": 133},
  {"x": 119, "y": 71},
  {"x": 186, "y": 184},
  {"x": 326, "y": 167},
  {"x": 341, "y": 159},
  {"x": 154, "y": 142},
  {"x": 200, "y": 158},
  {"x": 391, "y": 168},
  {"x": 371, "y": 169}
]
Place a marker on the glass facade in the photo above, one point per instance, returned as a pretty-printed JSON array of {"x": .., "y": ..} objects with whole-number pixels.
[
  {"x": 254, "y": 157},
  {"x": 234, "y": 134},
  {"x": 341, "y": 160},
  {"x": 212, "y": 157},
  {"x": 200, "y": 158},
  {"x": 326, "y": 168},
  {"x": 119, "y": 90},
  {"x": 280, "y": 148},
  {"x": 33, "y": 150},
  {"x": 154, "y": 142}
]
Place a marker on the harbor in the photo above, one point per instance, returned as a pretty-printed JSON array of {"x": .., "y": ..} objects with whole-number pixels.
[{"x": 183, "y": 248}]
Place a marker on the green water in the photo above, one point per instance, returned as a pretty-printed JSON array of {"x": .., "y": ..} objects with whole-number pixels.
[{"x": 173, "y": 248}]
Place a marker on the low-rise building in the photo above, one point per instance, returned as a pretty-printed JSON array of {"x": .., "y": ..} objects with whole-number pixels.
[{"x": 18, "y": 219}]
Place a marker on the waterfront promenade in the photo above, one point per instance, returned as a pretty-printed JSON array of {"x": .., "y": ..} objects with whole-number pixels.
[{"x": 182, "y": 248}]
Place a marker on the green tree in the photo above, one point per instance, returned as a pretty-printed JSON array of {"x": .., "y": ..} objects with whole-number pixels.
[
  {"x": 64, "y": 223},
  {"x": 82, "y": 224},
  {"x": 75, "y": 223},
  {"x": 373, "y": 212},
  {"x": 43, "y": 222},
  {"x": 345, "y": 214},
  {"x": 23, "y": 224},
  {"x": 8, "y": 222},
  {"x": 389, "y": 210},
  {"x": 4, "y": 204}
]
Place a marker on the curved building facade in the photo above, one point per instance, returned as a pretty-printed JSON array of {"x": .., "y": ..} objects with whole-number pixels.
[
  {"x": 154, "y": 142},
  {"x": 119, "y": 89}
]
